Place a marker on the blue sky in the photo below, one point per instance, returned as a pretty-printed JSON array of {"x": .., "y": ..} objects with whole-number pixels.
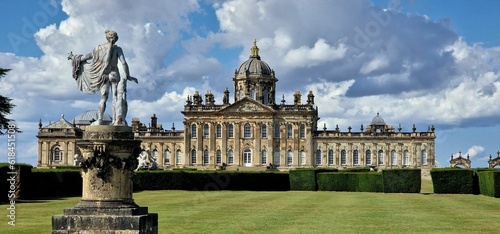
[{"x": 415, "y": 61}]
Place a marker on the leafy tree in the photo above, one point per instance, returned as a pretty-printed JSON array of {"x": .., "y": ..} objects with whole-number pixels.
[{"x": 5, "y": 108}]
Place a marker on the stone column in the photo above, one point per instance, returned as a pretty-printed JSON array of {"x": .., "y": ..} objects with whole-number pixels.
[{"x": 109, "y": 158}]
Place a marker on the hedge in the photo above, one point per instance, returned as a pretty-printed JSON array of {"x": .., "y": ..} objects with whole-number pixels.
[
  {"x": 358, "y": 169},
  {"x": 305, "y": 179},
  {"x": 351, "y": 181},
  {"x": 453, "y": 180},
  {"x": 55, "y": 183},
  {"x": 489, "y": 183},
  {"x": 402, "y": 180},
  {"x": 21, "y": 182},
  {"x": 210, "y": 180}
]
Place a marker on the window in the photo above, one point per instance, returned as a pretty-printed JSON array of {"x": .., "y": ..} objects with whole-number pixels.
[
  {"x": 166, "y": 157},
  {"x": 230, "y": 131},
  {"x": 424, "y": 157},
  {"x": 218, "y": 131},
  {"x": 178, "y": 157},
  {"x": 206, "y": 131},
  {"x": 252, "y": 93},
  {"x": 205, "y": 157},
  {"x": 368, "y": 158},
  {"x": 155, "y": 155},
  {"x": 276, "y": 157},
  {"x": 266, "y": 96},
  {"x": 289, "y": 158},
  {"x": 230, "y": 157},
  {"x": 394, "y": 160},
  {"x": 263, "y": 157},
  {"x": 380, "y": 157},
  {"x": 289, "y": 131},
  {"x": 330, "y": 157},
  {"x": 218, "y": 157},
  {"x": 247, "y": 157},
  {"x": 193, "y": 131},
  {"x": 247, "y": 131},
  {"x": 302, "y": 131},
  {"x": 302, "y": 157},
  {"x": 355, "y": 157},
  {"x": 406, "y": 158},
  {"x": 318, "y": 157},
  {"x": 193, "y": 156},
  {"x": 343, "y": 159},
  {"x": 276, "y": 131},
  {"x": 263, "y": 131},
  {"x": 56, "y": 154}
]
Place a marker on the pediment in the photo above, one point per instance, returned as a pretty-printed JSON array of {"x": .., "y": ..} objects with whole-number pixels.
[{"x": 246, "y": 105}]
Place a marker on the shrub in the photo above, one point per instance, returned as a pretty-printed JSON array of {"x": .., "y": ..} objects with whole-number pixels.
[
  {"x": 305, "y": 178},
  {"x": 489, "y": 183},
  {"x": 350, "y": 181},
  {"x": 402, "y": 180},
  {"x": 453, "y": 180},
  {"x": 358, "y": 169},
  {"x": 55, "y": 183},
  {"x": 22, "y": 181}
]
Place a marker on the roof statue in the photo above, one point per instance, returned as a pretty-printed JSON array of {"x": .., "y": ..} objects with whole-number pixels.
[{"x": 101, "y": 75}]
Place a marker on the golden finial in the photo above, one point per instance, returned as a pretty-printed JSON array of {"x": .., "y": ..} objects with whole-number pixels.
[{"x": 254, "y": 52}]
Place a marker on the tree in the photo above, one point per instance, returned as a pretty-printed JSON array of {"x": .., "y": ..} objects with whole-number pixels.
[{"x": 5, "y": 108}]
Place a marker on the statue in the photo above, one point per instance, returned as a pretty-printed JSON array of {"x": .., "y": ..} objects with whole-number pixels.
[
  {"x": 102, "y": 74},
  {"x": 146, "y": 161},
  {"x": 77, "y": 159}
]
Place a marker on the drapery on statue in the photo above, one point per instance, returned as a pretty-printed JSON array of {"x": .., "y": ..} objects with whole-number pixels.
[{"x": 102, "y": 74}]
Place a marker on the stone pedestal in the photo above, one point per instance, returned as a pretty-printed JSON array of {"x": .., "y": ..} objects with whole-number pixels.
[{"x": 109, "y": 157}]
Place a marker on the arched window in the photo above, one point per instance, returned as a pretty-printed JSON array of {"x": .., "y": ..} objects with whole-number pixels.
[
  {"x": 380, "y": 157},
  {"x": 155, "y": 155},
  {"x": 266, "y": 96},
  {"x": 218, "y": 131},
  {"x": 166, "y": 157},
  {"x": 343, "y": 157},
  {"x": 230, "y": 157},
  {"x": 56, "y": 154},
  {"x": 424, "y": 157},
  {"x": 276, "y": 157},
  {"x": 406, "y": 158},
  {"x": 302, "y": 131},
  {"x": 394, "y": 160},
  {"x": 193, "y": 131},
  {"x": 193, "y": 156},
  {"x": 318, "y": 157},
  {"x": 289, "y": 131},
  {"x": 330, "y": 157},
  {"x": 302, "y": 157},
  {"x": 178, "y": 157},
  {"x": 247, "y": 157},
  {"x": 289, "y": 158},
  {"x": 263, "y": 157},
  {"x": 247, "y": 131},
  {"x": 368, "y": 158},
  {"x": 355, "y": 157},
  {"x": 205, "y": 157},
  {"x": 276, "y": 131},
  {"x": 252, "y": 93},
  {"x": 218, "y": 157},
  {"x": 263, "y": 131},
  {"x": 230, "y": 131},
  {"x": 206, "y": 131}
]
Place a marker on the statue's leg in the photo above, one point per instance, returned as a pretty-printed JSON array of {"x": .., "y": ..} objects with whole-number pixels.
[
  {"x": 115, "y": 98},
  {"x": 102, "y": 103}
]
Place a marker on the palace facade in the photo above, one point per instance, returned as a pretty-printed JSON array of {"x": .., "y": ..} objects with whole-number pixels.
[{"x": 253, "y": 132}]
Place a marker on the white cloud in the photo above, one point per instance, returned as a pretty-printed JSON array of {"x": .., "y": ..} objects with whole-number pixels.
[{"x": 471, "y": 152}]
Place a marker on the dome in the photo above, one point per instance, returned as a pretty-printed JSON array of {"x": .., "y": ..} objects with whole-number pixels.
[
  {"x": 85, "y": 118},
  {"x": 254, "y": 66},
  {"x": 377, "y": 120}
]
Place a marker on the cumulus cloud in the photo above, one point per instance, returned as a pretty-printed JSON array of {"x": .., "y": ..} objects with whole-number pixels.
[{"x": 471, "y": 152}]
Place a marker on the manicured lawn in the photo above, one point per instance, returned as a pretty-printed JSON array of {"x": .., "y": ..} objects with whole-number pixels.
[{"x": 291, "y": 212}]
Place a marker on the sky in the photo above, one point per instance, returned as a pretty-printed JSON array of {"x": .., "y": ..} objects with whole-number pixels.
[{"x": 416, "y": 62}]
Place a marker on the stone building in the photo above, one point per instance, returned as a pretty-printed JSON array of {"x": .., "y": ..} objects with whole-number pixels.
[{"x": 256, "y": 131}]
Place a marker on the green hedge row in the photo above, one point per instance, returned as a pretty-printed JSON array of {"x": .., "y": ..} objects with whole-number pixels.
[
  {"x": 489, "y": 183},
  {"x": 20, "y": 181},
  {"x": 454, "y": 180},
  {"x": 210, "y": 180},
  {"x": 351, "y": 181},
  {"x": 402, "y": 180},
  {"x": 305, "y": 179}
]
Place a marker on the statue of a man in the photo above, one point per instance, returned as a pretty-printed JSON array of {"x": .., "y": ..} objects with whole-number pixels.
[{"x": 102, "y": 74}]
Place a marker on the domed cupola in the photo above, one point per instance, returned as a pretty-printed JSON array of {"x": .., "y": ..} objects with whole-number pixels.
[
  {"x": 378, "y": 121},
  {"x": 255, "y": 79}
]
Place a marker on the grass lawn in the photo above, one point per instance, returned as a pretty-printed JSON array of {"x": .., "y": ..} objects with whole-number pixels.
[{"x": 291, "y": 212}]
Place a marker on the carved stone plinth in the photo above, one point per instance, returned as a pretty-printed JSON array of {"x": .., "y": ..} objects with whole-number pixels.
[{"x": 109, "y": 156}]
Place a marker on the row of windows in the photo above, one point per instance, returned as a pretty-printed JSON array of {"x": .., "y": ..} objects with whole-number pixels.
[
  {"x": 247, "y": 131},
  {"x": 368, "y": 158}
]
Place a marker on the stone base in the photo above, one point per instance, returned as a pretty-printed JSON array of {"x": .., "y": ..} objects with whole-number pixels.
[{"x": 102, "y": 220}]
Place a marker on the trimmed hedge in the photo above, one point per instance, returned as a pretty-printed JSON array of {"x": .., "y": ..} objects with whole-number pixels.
[
  {"x": 55, "y": 183},
  {"x": 210, "y": 180},
  {"x": 358, "y": 169},
  {"x": 489, "y": 183},
  {"x": 453, "y": 180},
  {"x": 402, "y": 180},
  {"x": 305, "y": 179},
  {"x": 22, "y": 180},
  {"x": 351, "y": 181}
]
